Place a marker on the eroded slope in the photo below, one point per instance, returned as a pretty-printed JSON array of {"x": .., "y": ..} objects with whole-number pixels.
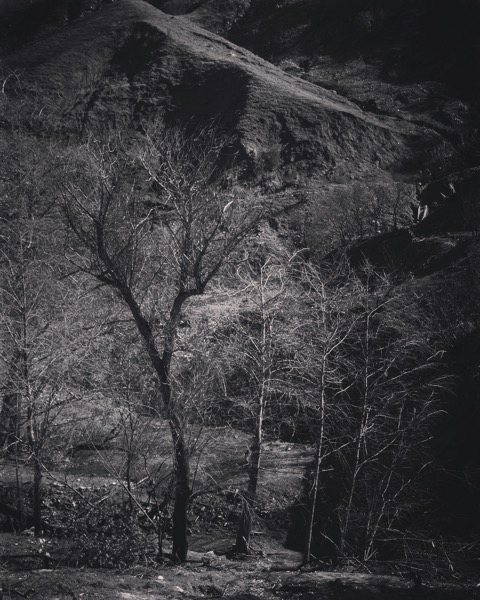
[{"x": 130, "y": 61}]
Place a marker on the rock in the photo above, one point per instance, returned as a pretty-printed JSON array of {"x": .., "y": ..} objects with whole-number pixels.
[{"x": 343, "y": 585}]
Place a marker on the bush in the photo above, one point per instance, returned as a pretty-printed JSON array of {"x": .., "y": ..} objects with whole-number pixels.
[
  {"x": 103, "y": 535},
  {"x": 107, "y": 539}
]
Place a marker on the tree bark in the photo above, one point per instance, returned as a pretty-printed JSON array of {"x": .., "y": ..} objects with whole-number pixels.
[
  {"x": 242, "y": 543},
  {"x": 162, "y": 364},
  {"x": 181, "y": 495},
  {"x": 37, "y": 496},
  {"x": 313, "y": 503},
  {"x": 318, "y": 451},
  {"x": 8, "y": 419}
]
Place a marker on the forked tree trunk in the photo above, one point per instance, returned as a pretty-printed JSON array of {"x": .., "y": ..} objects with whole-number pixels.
[
  {"x": 198, "y": 241},
  {"x": 162, "y": 365}
]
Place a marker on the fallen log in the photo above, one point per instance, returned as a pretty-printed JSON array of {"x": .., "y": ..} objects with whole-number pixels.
[{"x": 44, "y": 556}]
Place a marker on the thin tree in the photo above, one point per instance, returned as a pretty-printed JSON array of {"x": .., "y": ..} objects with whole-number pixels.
[
  {"x": 392, "y": 403},
  {"x": 327, "y": 322},
  {"x": 36, "y": 353},
  {"x": 259, "y": 365}
]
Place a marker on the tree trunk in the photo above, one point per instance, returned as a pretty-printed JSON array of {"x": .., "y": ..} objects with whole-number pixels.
[
  {"x": 8, "y": 419},
  {"x": 362, "y": 429},
  {"x": 318, "y": 452},
  {"x": 37, "y": 496},
  {"x": 313, "y": 503},
  {"x": 11, "y": 407},
  {"x": 18, "y": 486},
  {"x": 242, "y": 543},
  {"x": 181, "y": 496},
  {"x": 161, "y": 365}
]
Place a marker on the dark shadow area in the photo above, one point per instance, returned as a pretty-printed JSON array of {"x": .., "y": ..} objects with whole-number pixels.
[{"x": 40, "y": 19}]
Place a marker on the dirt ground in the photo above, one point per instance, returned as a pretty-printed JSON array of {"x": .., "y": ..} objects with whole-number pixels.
[
  {"x": 208, "y": 575},
  {"x": 272, "y": 573}
]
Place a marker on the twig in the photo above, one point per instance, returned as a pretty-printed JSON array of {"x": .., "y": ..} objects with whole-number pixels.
[{"x": 70, "y": 487}]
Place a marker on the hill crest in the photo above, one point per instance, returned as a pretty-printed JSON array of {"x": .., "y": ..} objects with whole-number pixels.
[{"x": 131, "y": 59}]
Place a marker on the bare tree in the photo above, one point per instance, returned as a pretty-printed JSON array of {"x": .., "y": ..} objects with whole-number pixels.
[
  {"x": 392, "y": 402},
  {"x": 369, "y": 378},
  {"x": 327, "y": 322},
  {"x": 253, "y": 353},
  {"x": 36, "y": 356},
  {"x": 354, "y": 213},
  {"x": 156, "y": 223}
]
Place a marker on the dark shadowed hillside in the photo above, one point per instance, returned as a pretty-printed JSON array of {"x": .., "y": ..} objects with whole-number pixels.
[{"x": 412, "y": 41}]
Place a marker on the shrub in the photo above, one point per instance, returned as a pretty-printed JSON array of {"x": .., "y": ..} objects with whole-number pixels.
[
  {"x": 107, "y": 539},
  {"x": 105, "y": 535}
]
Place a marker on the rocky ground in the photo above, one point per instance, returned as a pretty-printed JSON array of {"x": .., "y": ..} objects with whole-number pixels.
[
  {"x": 209, "y": 574},
  {"x": 45, "y": 568}
]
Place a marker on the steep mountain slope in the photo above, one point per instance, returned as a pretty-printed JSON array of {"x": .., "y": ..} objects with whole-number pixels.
[
  {"x": 418, "y": 39},
  {"x": 408, "y": 61},
  {"x": 130, "y": 60}
]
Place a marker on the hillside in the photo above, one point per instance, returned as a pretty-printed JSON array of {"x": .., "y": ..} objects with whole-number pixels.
[
  {"x": 354, "y": 106},
  {"x": 150, "y": 62},
  {"x": 410, "y": 41}
]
